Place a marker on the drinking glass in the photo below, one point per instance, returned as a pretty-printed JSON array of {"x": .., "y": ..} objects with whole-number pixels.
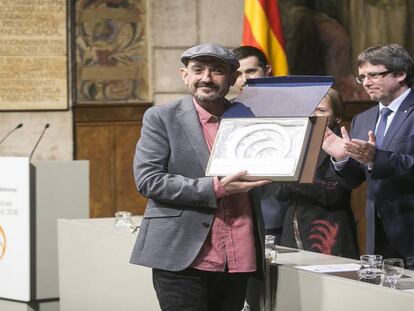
[
  {"x": 123, "y": 220},
  {"x": 270, "y": 248},
  {"x": 409, "y": 263},
  {"x": 371, "y": 269},
  {"x": 393, "y": 270}
]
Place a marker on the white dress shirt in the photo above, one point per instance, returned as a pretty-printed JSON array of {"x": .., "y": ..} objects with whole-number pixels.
[{"x": 393, "y": 106}]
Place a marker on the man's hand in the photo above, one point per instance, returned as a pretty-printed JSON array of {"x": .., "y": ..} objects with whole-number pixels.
[
  {"x": 335, "y": 145},
  {"x": 233, "y": 184},
  {"x": 361, "y": 150}
]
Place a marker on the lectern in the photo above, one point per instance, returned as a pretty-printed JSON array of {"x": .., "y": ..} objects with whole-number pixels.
[{"x": 32, "y": 197}]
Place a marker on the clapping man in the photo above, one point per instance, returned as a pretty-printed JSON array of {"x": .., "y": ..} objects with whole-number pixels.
[{"x": 380, "y": 150}]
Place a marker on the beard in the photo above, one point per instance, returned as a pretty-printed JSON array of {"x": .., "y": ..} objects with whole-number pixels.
[{"x": 217, "y": 91}]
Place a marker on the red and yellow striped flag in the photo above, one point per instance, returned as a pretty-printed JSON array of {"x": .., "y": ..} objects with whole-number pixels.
[{"x": 262, "y": 29}]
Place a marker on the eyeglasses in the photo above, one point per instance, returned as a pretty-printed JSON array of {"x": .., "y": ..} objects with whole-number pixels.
[{"x": 371, "y": 76}]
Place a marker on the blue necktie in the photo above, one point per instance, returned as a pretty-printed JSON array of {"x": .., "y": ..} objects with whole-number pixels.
[{"x": 382, "y": 125}]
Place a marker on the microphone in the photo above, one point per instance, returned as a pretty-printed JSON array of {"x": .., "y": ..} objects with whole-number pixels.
[
  {"x": 47, "y": 125},
  {"x": 9, "y": 133}
]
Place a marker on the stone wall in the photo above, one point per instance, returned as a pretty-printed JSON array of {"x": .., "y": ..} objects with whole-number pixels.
[
  {"x": 57, "y": 143},
  {"x": 174, "y": 25},
  {"x": 33, "y": 75},
  {"x": 177, "y": 25}
]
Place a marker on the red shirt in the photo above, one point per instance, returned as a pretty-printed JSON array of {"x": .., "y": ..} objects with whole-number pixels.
[{"x": 231, "y": 238}]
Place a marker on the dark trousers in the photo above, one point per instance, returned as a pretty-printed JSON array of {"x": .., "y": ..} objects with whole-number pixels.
[
  {"x": 384, "y": 248},
  {"x": 196, "y": 290},
  {"x": 382, "y": 245}
]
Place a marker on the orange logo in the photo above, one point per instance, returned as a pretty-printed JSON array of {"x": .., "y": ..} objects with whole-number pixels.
[{"x": 2, "y": 243}]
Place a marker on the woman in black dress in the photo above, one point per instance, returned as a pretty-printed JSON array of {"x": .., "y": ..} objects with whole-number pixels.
[{"x": 319, "y": 217}]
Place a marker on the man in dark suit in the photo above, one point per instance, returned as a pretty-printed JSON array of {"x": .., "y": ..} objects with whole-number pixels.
[
  {"x": 202, "y": 236},
  {"x": 380, "y": 150},
  {"x": 253, "y": 64}
]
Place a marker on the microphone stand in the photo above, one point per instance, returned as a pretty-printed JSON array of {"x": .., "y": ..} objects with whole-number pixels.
[
  {"x": 11, "y": 132},
  {"x": 47, "y": 125}
]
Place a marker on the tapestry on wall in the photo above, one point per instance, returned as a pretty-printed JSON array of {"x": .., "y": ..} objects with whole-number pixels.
[{"x": 111, "y": 51}]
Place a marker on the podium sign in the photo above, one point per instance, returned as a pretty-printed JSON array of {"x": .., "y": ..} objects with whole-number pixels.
[{"x": 15, "y": 228}]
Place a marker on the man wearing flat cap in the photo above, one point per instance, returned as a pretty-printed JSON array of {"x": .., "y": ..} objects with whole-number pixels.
[{"x": 202, "y": 236}]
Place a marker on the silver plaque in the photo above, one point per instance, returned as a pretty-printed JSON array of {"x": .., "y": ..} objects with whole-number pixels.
[{"x": 268, "y": 148}]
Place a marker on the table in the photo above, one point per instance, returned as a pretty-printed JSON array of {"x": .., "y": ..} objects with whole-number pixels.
[
  {"x": 95, "y": 274},
  {"x": 94, "y": 268},
  {"x": 300, "y": 290}
]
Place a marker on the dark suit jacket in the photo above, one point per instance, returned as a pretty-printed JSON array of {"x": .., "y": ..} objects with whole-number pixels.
[
  {"x": 391, "y": 181},
  {"x": 169, "y": 168}
]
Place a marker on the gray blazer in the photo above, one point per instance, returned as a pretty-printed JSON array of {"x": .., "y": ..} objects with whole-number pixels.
[{"x": 169, "y": 168}]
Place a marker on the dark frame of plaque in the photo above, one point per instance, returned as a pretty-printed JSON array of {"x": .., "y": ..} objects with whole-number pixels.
[
  {"x": 36, "y": 73},
  {"x": 111, "y": 50}
]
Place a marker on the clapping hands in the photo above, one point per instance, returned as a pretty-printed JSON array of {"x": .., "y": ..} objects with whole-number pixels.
[{"x": 340, "y": 148}]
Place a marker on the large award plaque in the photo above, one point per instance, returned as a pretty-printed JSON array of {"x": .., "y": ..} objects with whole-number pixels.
[{"x": 268, "y": 148}]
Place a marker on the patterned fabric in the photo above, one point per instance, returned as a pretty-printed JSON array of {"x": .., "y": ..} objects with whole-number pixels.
[{"x": 319, "y": 217}]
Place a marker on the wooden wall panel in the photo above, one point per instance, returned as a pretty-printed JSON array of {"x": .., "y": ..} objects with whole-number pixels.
[
  {"x": 106, "y": 136},
  {"x": 358, "y": 199},
  {"x": 95, "y": 143},
  {"x": 126, "y": 137}
]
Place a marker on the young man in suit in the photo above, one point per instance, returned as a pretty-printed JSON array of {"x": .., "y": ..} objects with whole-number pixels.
[
  {"x": 201, "y": 235},
  {"x": 253, "y": 64},
  {"x": 380, "y": 150}
]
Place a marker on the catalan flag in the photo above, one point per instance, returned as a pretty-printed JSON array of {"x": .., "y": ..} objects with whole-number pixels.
[{"x": 262, "y": 29}]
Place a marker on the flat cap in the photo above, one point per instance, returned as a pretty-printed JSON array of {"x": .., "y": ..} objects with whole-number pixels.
[{"x": 213, "y": 50}]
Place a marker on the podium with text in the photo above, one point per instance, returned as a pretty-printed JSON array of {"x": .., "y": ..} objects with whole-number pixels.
[{"x": 32, "y": 197}]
